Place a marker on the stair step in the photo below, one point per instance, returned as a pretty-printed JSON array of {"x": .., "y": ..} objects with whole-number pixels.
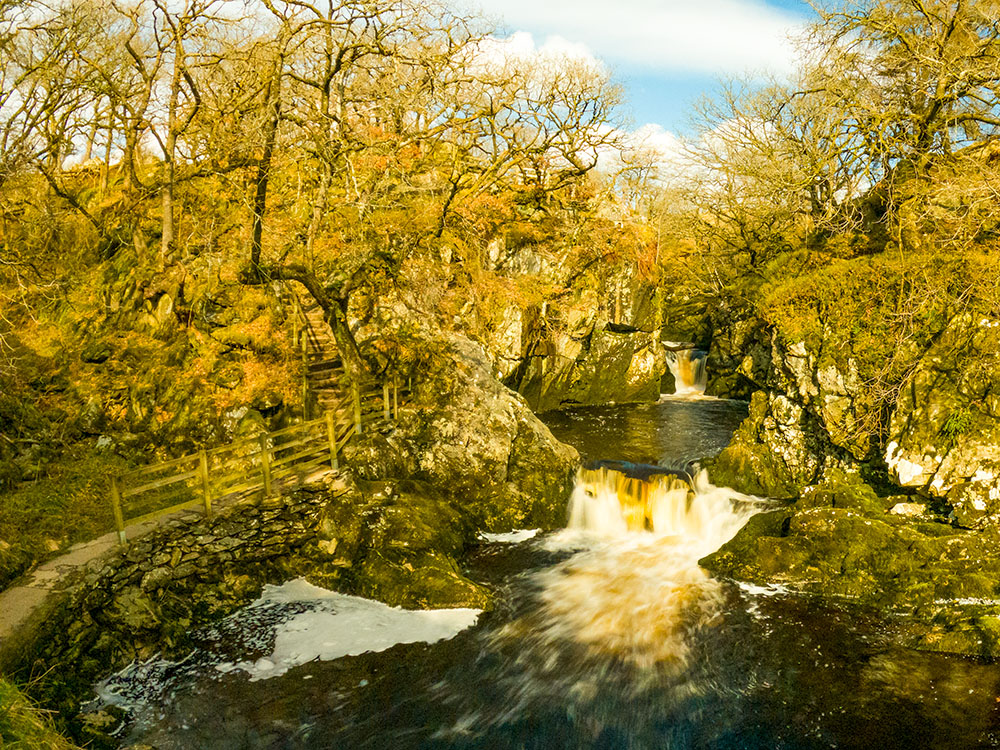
[
  {"x": 324, "y": 364},
  {"x": 318, "y": 383}
]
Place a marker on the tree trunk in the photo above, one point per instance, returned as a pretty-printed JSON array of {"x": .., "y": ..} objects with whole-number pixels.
[
  {"x": 264, "y": 168},
  {"x": 334, "y": 312},
  {"x": 319, "y": 208}
]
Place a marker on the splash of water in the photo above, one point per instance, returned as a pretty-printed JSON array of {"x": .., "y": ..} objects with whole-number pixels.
[{"x": 636, "y": 591}]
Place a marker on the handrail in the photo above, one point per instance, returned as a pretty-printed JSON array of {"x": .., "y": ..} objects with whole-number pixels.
[{"x": 206, "y": 476}]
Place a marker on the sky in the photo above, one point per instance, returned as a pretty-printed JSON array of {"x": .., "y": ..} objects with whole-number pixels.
[{"x": 665, "y": 53}]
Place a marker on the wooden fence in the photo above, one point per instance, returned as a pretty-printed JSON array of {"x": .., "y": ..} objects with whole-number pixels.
[{"x": 269, "y": 463}]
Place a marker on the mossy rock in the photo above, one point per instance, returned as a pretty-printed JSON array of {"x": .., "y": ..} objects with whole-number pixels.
[
  {"x": 754, "y": 470},
  {"x": 429, "y": 580},
  {"x": 398, "y": 542},
  {"x": 861, "y": 553},
  {"x": 842, "y": 490},
  {"x": 772, "y": 454}
]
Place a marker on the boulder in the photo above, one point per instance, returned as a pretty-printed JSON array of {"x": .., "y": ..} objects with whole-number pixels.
[
  {"x": 398, "y": 542},
  {"x": 468, "y": 436},
  {"x": 839, "y": 540}
]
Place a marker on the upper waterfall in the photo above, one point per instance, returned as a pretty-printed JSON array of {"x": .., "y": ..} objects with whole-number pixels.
[{"x": 687, "y": 365}]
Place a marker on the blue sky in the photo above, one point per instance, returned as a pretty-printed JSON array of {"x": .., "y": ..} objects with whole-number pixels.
[{"x": 664, "y": 52}]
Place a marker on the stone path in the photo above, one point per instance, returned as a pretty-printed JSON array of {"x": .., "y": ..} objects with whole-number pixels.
[{"x": 34, "y": 594}]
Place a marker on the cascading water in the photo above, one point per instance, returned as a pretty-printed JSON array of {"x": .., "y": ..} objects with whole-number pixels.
[
  {"x": 687, "y": 365},
  {"x": 606, "y": 634},
  {"x": 636, "y": 590},
  {"x": 609, "y": 502}
]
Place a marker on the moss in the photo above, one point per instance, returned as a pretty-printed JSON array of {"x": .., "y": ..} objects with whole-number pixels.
[
  {"x": 69, "y": 505},
  {"x": 398, "y": 542},
  {"x": 861, "y": 553},
  {"x": 842, "y": 490}
]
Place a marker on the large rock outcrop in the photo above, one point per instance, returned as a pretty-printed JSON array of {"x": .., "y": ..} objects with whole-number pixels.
[
  {"x": 775, "y": 452},
  {"x": 467, "y": 435},
  {"x": 944, "y": 437},
  {"x": 398, "y": 542},
  {"x": 939, "y": 437},
  {"x": 919, "y": 417},
  {"x": 841, "y": 539},
  {"x": 597, "y": 342},
  {"x": 802, "y": 413}
]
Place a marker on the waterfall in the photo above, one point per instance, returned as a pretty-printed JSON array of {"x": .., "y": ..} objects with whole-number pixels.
[
  {"x": 687, "y": 365},
  {"x": 635, "y": 589},
  {"x": 613, "y": 504}
]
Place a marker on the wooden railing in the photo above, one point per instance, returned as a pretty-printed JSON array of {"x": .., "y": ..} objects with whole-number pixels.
[{"x": 269, "y": 463}]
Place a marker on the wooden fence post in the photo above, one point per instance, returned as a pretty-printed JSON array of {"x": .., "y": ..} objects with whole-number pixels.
[
  {"x": 116, "y": 508},
  {"x": 206, "y": 488},
  {"x": 305, "y": 378},
  {"x": 385, "y": 401},
  {"x": 265, "y": 464},
  {"x": 331, "y": 434},
  {"x": 356, "y": 393}
]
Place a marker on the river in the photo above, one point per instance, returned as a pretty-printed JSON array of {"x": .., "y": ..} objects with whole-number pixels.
[{"x": 606, "y": 635}]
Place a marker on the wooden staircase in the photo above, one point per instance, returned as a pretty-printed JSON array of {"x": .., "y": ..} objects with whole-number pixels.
[{"x": 325, "y": 384}]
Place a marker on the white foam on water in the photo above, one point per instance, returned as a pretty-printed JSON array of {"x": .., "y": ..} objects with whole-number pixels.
[
  {"x": 771, "y": 589},
  {"x": 511, "y": 537},
  {"x": 299, "y": 623},
  {"x": 345, "y": 625}
]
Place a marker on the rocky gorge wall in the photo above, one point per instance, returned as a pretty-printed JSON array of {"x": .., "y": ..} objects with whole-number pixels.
[
  {"x": 890, "y": 490},
  {"x": 936, "y": 434},
  {"x": 596, "y": 342}
]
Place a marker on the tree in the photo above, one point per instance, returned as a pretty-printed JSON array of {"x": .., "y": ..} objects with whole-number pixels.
[{"x": 916, "y": 77}]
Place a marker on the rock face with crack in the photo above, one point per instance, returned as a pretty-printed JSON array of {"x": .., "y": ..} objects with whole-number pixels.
[
  {"x": 944, "y": 437},
  {"x": 939, "y": 437}
]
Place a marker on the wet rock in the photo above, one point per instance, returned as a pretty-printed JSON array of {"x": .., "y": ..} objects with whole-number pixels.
[
  {"x": 398, "y": 542},
  {"x": 837, "y": 540},
  {"x": 774, "y": 453}
]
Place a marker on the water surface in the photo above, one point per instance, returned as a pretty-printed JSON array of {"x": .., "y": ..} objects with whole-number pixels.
[{"x": 602, "y": 638}]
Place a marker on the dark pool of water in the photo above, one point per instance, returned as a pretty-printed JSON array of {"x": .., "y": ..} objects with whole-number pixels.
[
  {"x": 759, "y": 670},
  {"x": 669, "y": 433}
]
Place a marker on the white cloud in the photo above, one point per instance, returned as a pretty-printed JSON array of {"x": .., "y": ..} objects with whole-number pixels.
[
  {"x": 707, "y": 36},
  {"x": 520, "y": 48}
]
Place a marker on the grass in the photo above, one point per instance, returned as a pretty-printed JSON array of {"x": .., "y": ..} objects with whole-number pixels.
[
  {"x": 24, "y": 726},
  {"x": 69, "y": 504}
]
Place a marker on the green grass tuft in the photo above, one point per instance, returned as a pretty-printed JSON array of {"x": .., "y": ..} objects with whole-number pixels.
[{"x": 24, "y": 726}]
